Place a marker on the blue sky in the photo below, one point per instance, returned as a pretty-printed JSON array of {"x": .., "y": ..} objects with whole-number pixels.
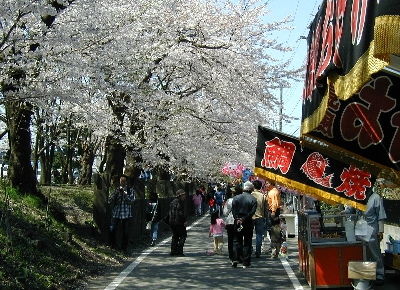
[{"x": 303, "y": 12}]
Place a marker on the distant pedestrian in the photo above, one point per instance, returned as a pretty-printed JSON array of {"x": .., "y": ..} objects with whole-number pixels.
[
  {"x": 122, "y": 197},
  {"x": 243, "y": 208},
  {"x": 219, "y": 196},
  {"x": 230, "y": 220},
  {"x": 153, "y": 216},
  {"x": 217, "y": 226},
  {"x": 178, "y": 224},
  {"x": 274, "y": 203},
  {"x": 203, "y": 199},
  {"x": 211, "y": 199},
  {"x": 260, "y": 215},
  {"x": 197, "y": 203}
]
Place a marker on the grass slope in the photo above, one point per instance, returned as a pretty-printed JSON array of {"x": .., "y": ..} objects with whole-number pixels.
[{"x": 49, "y": 242}]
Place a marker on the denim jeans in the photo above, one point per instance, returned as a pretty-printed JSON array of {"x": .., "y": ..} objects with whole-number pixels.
[
  {"x": 154, "y": 230},
  {"x": 259, "y": 229}
]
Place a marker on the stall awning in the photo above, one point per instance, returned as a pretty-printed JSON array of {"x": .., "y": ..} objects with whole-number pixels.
[
  {"x": 282, "y": 159},
  {"x": 350, "y": 98}
]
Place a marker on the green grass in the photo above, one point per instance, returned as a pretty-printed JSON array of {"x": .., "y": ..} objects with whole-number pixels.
[{"x": 34, "y": 251}]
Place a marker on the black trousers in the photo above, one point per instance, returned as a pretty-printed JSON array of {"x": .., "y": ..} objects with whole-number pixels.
[
  {"x": 242, "y": 243},
  {"x": 179, "y": 234},
  {"x": 230, "y": 233},
  {"x": 115, "y": 222}
]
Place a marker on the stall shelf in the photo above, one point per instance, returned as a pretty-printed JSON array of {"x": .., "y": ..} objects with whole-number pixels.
[{"x": 324, "y": 251}]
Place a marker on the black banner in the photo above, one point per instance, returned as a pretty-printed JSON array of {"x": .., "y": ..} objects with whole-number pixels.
[
  {"x": 349, "y": 103},
  {"x": 367, "y": 124},
  {"x": 282, "y": 159}
]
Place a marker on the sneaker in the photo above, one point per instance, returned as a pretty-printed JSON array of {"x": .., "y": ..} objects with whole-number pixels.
[
  {"x": 234, "y": 264},
  {"x": 247, "y": 266}
]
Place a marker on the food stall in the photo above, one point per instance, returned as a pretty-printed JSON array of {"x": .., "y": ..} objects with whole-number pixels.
[{"x": 324, "y": 251}]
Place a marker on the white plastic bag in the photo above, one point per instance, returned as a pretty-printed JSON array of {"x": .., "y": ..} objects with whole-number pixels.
[{"x": 361, "y": 227}]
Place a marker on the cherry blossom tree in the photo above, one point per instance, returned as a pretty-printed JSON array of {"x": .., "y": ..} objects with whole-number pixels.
[
  {"x": 165, "y": 82},
  {"x": 197, "y": 74}
]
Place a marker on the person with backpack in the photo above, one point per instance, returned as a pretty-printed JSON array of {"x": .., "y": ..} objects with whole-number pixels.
[
  {"x": 178, "y": 223},
  {"x": 122, "y": 197},
  {"x": 153, "y": 216}
]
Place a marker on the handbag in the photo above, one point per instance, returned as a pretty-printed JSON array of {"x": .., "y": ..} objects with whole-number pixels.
[{"x": 149, "y": 223}]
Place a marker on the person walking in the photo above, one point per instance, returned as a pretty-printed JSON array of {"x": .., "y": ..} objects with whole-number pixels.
[
  {"x": 274, "y": 203},
  {"x": 122, "y": 197},
  {"x": 374, "y": 215},
  {"x": 197, "y": 203},
  {"x": 178, "y": 223},
  {"x": 260, "y": 215},
  {"x": 153, "y": 216},
  {"x": 243, "y": 208},
  {"x": 229, "y": 221},
  {"x": 216, "y": 231},
  {"x": 203, "y": 199},
  {"x": 219, "y": 198}
]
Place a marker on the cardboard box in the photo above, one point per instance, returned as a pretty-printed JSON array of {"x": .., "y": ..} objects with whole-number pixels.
[
  {"x": 361, "y": 270},
  {"x": 388, "y": 258},
  {"x": 396, "y": 261}
]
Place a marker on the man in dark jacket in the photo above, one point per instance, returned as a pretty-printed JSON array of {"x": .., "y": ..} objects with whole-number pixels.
[
  {"x": 177, "y": 222},
  {"x": 243, "y": 208}
]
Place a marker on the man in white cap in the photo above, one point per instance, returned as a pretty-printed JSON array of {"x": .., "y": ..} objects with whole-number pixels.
[{"x": 243, "y": 208}]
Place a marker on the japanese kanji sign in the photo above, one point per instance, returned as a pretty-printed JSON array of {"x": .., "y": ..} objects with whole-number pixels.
[
  {"x": 349, "y": 102},
  {"x": 282, "y": 159}
]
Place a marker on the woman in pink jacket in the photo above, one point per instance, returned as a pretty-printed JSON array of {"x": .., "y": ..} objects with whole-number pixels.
[{"x": 197, "y": 203}]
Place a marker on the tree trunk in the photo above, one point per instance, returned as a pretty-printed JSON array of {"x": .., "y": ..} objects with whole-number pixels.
[
  {"x": 85, "y": 177},
  {"x": 115, "y": 158},
  {"x": 20, "y": 173}
]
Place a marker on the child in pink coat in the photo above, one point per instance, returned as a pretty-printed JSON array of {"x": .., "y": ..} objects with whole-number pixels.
[{"x": 216, "y": 231}]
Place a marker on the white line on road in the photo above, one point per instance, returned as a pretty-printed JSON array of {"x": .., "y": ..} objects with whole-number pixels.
[
  {"x": 291, "y": 275},
  {"x": 118, "y": 280}
]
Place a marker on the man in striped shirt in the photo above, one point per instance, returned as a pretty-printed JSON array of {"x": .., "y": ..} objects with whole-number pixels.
[{"x": 122, "y": 197}]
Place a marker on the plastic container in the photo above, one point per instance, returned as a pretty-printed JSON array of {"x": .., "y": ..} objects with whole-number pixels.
[
  {"x": 396, "y": 247},
  {"x": 389, "y": 247}
]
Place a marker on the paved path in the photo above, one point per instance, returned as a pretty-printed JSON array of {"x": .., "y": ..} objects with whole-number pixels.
[{"x": 156, "y": 269}]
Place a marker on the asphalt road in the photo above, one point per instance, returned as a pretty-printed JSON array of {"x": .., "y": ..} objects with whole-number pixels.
[{"x": 156, "y": 269}]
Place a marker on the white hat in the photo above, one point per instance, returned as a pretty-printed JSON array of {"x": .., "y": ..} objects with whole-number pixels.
[{"x": 248, "y": 186}]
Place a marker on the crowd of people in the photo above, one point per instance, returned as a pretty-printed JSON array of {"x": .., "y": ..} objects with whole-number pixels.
[{"x": 240, "y": 210}]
